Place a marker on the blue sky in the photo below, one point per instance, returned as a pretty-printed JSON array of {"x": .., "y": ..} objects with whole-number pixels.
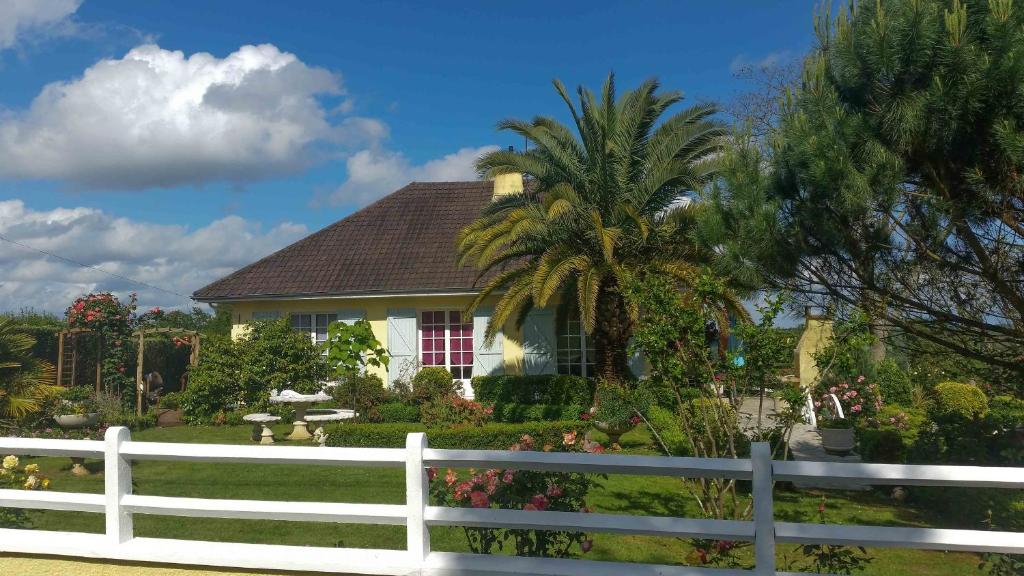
[{"x": 377, "y": 92}]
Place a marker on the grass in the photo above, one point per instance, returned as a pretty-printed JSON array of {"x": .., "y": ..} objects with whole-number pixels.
[{"x": 617, "y": 495}]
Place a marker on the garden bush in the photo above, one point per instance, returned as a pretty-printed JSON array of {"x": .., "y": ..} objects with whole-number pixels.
[
  {"x": 894, "y": 383},
  {"x": 487, "y": 437},
  {"x": 434, "y": 383},
  {"x": 273, "y": 356},
  {"x": 454, "y": 411},
  {"x": 890, "y": 435},
  {"x": 538, "y": 389},
  {"x": 213, "y": 384},
  {"x": 361, "y": 392},
  {"x": 395, "y": 412},
  {"x": 958, "y": 401},
  {"x": 171, "y": 401},
  {"x": 514, "y": 413},
  {"x": 1005, "y": 413},
  {"x": 669, "y": 430}
]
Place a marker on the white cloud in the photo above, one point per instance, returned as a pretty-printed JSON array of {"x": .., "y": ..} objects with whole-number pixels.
[
  {"x": 155, "y": 118},
  {"x": 167, "y": 256},
  {"x": 21, "y": 17},
  {"x": 375, "y": 172},
  {"x": 743, "y": 62}
]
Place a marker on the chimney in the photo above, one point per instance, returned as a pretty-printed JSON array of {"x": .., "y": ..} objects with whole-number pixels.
[{"x": 505, "y": 184}]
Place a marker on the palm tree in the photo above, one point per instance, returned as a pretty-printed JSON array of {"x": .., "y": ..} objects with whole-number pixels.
[
  {"x": 602, "y": 204},
  {"x": 25, "y": 381}
]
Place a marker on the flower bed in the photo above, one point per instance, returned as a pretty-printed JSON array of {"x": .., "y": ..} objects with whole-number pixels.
[{"x": 487, "y": 437}]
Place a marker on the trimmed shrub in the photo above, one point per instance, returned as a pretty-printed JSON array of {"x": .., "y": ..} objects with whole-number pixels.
[
  {"x": 487, "y": 437},
  {"x": 514, "y": 413},
  {"x": 1005, "y": 413},
  {"x": 538, "y": 389},
  {"x": 890, "y": 435},
  {"x": 667, "y": 426},
  {"x": 894, "y": 383},
  {"x": 958, "y": 401},
  {"x": 213, "y": 381},
  {"x": 434, "y": 383},
  {"x": 360, "y": 392},
  {"x": 395, "y": 412}
]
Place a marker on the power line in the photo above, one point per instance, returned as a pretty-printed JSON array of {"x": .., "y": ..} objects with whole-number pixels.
[{"x": 96, "y": 268}]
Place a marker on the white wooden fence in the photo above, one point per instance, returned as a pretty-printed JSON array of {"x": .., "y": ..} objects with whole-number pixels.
[{"x": 118, "y": 504}]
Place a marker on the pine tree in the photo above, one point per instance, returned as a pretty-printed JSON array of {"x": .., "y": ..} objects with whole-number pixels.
[{"x": 894, "y": 180}]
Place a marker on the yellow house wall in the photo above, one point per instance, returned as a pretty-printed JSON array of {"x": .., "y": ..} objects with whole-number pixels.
[
  {"x": 817, "y": 334},
  {"x": 376, "y": 310}
]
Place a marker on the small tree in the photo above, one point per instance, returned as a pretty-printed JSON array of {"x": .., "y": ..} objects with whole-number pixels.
[
  {"x": 353, "y": 347},
  {"x": 273, "y": 356}
]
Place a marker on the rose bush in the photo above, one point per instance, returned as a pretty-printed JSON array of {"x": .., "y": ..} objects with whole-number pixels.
[
  {"x": 113, "y": 322},
  {"x": 15, "y": 477},
  {"x": 858, "y": 399},
  {"x": 522, "y": 490}
]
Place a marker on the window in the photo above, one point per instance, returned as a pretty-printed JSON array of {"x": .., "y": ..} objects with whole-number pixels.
[
  {"x": 447, "y": 341},
  {"x": 315, "y": 325},
  {"x": 258, "y": 316},
  {"x": 574, "y": 348}
]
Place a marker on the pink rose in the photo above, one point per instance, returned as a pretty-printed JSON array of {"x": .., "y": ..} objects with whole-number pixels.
[
  {"x": 451, "y": 477},
  {"x": 508, "y": 476},
  {"x": 529, "y": 507},
  {"x": 856, "y": 409},
  {"x": 586, "y": 545},
  {"x": 554, "y": 491},
  {"x": 833, "y": 390},
  {"x": 540, "y": 502},
  {"x": 479, "y": 499}
]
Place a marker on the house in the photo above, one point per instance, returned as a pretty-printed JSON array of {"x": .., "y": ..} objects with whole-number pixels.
[{"x": 394, "y": 263}]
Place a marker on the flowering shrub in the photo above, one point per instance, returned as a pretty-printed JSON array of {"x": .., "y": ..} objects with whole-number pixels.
[
  {"x": 113, "y": 322},
  {"x": 455, "y": 410},
  {"x": 521, "y": 490},
  {"x": 858, "y": 399},
  {"x": 14, "y": 477}
]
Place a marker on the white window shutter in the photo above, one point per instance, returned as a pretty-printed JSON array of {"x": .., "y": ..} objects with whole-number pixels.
[
  {"x": 351, "y": 315},
  {"x": 539, "y": 342},
  {"x": 487, "y": 360},
  {"x": 401, "y": 342}
]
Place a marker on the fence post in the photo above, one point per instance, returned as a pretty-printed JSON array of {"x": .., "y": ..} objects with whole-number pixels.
[
  {"x": 117, "y": 483},
  {"x": 417, "y": 492},
  {"x": 764, "y": 512}
]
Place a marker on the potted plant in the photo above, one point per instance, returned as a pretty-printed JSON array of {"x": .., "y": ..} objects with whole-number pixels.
[
  {"x": 76, "y": 409},
  {"x": 836, "y": 432},
  {"x": 616, "y": 409},
  {"x": 838, "y": 407}
]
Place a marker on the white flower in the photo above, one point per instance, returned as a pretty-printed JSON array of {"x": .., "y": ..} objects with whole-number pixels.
[{"x": 10, "y": 462}]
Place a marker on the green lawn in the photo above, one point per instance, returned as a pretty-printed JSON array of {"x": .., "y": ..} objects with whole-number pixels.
[{"x": 617, "y": 495}]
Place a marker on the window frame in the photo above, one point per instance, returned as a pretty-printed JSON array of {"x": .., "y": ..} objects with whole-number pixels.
[
  {"x": 312, "y": 332},
  {"x": 583, "y": 341},
  {"x": 447, "y": 341}
]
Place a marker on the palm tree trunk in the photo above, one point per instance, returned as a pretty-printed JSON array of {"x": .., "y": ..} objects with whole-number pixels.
[{"x": 612, "y": 332}]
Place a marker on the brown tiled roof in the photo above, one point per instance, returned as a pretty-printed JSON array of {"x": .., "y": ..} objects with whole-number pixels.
[{"x": 403, "y": 243}]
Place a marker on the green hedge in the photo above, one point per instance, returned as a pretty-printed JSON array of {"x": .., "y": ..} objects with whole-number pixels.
[
  {"x": 514, "y": 413},
  {"x": 541, "y": 389},
  {"x": 395, "y": 412},
  {"x": 488, "y": 437}
]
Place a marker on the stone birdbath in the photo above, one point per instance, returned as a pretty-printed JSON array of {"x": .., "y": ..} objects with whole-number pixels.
[
  {"x": 264, "y": 420},
  {"x": 75, "y": 422},
  {"x": 301, "y": 403}
]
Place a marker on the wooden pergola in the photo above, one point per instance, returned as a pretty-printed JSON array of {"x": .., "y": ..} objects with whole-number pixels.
[
  {"x": 62, "y": 350},
  {"x": 141, "y": 386}
]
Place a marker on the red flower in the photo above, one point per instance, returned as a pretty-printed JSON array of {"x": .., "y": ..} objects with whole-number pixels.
[
  {"x": 508, "y": 476},
  {"x": 585, "y": 416},
  {"x": 529, "y": 507},
  {"x": 451, "y": 477},
  {"x": 479, "y": 499},
  {"x": 431, "y": 473},
  {"x": 540, "y": 502}
]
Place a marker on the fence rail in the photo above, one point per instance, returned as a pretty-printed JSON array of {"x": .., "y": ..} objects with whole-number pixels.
[{"x": 119, "y": 505}]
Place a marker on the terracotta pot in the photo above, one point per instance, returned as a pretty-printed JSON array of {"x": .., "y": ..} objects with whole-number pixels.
[
  {"x": 74, "y": 421},
  {"x": 614, "y": 431},
  {"x": 837, "y": 440}
]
